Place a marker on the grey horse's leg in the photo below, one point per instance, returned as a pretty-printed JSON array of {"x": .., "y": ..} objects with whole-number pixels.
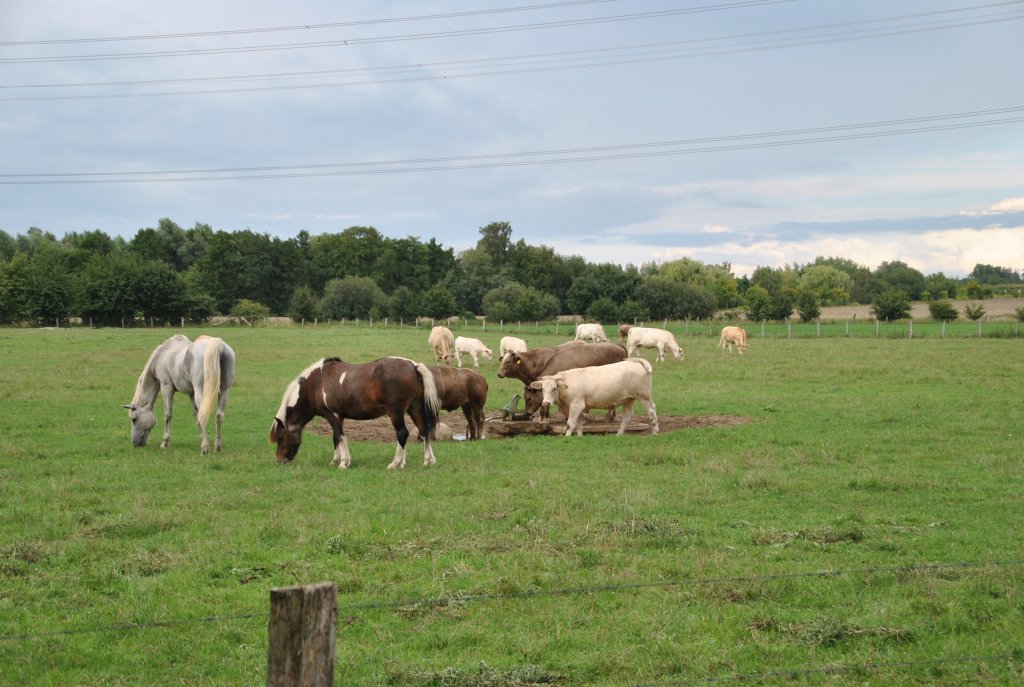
[{"x": 168, "y": 393}]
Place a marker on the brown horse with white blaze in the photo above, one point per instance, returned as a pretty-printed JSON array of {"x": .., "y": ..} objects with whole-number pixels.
[{"x": 336, "y": 391}]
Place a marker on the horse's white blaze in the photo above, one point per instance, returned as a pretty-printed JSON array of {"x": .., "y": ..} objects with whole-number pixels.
[{"x": 291, "y": 394}]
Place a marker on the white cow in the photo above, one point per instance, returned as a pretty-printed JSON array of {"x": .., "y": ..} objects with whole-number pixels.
[
  {"x": 594, "y": 332},
  {"x": 602, "y": 386},
  {"x": 442, "y": 341},
  {"x": 474, "y": 347},
  {"x": 733, "y": 336},
  {"x": 651, "y": 337},
  {"x": 510, "y": 344}
]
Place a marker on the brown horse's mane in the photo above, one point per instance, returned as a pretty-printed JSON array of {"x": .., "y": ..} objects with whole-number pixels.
[{"x": 334, "y": 359}]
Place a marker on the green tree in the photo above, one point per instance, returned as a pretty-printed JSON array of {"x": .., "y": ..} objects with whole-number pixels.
[
  {"x": 891, "y": 304},
  {"x": 807, "y": 306},
  {"x": 663, "y": 297},
  {"x": 16, "y": 289},
  {"x": 826, "y": 285},
  {"x": 249, "y": 310},
  {"x": 352, "y": 298},
  {"x": 405, "y": 304},
  {"x": 939, "y": 286},
  {"x": 974, "y": 311},
  {"x": 758, "y": 302},
  {"x": 604, "y": 310},
  {"x": 975, "y": 289},
  {"x": 303, "y": 305},
  {"x": 438, "y": 303},
  {"x": 900, "y": 276}
]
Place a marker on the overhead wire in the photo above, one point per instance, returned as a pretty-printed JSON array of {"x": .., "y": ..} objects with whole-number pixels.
[{"x": 771, "y": 139}]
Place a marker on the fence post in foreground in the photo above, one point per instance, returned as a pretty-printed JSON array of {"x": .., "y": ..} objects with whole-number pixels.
[{"x": 303, "y": 625}]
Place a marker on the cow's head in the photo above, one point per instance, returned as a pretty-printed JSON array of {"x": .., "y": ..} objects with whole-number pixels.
[
  {"x": 548, "y": 388},
  {"x": 509, "y": 363}
]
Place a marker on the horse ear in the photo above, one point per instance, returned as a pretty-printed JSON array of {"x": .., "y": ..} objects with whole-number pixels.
[{"x": 274, "y": 429}]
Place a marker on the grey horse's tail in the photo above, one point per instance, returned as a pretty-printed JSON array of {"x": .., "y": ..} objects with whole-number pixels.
[{"x": 211, "y": 378}]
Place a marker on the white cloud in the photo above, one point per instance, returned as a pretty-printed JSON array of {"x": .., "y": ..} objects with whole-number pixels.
[
  {"x": 1015, "y": 204},
  {"x": 717, "y": 229}
]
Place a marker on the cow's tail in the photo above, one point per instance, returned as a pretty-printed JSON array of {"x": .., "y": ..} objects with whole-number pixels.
[
  {"x": 646, "y": 363},
  {"x": 211, "y": 378},
  {"x": 431, "y": 403}
]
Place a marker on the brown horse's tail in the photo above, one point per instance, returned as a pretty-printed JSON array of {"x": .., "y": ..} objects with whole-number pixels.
[
  {"x": 211, "y": 378},
  {"x": 431, "y": 403}
]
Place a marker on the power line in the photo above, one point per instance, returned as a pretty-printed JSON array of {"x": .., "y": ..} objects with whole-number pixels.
[
  {"x": 546, "y": 56},
  {"x": 667, "y": 55},
  {"x": 404, "y": 37},
  {"x": 749, "y": 141}
]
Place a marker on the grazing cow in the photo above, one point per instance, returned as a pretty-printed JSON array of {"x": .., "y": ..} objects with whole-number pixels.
[
  {"x": 528, "y": 366},
  {"x": 624, "y": 332},
  {"x": 594, "y": 332},
  {"x": 616, "y": 384},
  {"x": 473, "y": 347},
  {"x": 464, "y": 389},
  {"x": 733, "y": 336},
  {"x": 651, "y": 337},
  {"x": 510, "y": 344},
  {"x": 442, "y": 341}
]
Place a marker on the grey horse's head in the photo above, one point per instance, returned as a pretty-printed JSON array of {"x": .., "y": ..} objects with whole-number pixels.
[{"x": 143, "y": 421}]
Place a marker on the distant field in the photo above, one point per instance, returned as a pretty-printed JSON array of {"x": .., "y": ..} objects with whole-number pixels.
[
  {"x": 995, "y": 309},
  {"x": 861, "y": 526}
]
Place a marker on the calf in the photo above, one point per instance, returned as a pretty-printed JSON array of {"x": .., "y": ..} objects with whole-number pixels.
[
  {"x": 594, "y": 332},
  {"x": 474, "y": 347},
  {"x": 733, "y": 336},
  {"x": 466, "y": 389},
  {"x": 600, "y": 387},
  {"x": 510, "y": 344},
  {"x": 651, "y": 337},
  {"x": 442, "y": 341}
]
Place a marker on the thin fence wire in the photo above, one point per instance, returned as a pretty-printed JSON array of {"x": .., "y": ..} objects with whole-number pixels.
[{"x": 532, "y": 594}]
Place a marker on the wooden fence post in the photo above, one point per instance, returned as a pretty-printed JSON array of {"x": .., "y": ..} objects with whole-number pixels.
[{"x": 303, "y": 626}]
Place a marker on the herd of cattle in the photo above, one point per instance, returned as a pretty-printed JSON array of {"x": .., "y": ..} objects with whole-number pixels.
[{"x": 576, "y": 376}]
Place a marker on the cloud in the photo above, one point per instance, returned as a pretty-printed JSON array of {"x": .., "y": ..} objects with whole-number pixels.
[{"x": 1015, "y": 204}]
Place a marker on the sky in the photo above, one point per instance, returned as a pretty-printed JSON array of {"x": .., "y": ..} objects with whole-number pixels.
[{"x": 748, "y": 132}]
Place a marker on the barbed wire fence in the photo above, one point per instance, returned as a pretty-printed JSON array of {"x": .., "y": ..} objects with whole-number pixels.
[{"x": 345, "y": 611}]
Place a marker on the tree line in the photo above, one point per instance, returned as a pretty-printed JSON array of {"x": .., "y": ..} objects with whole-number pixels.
[{"x": 166, "y": 273}]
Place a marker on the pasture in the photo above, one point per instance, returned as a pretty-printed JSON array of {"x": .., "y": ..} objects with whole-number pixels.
[{"x": 864, "y": 527}]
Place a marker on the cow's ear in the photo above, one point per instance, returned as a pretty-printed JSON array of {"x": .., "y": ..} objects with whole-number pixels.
[
  {"x": 536, "y": 385},
  {"x": 561, "y": 384}
]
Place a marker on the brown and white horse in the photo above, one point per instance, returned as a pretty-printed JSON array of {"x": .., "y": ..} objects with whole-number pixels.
[
  {"x": 336, "y": 391},
  {"x": 203, "y": 369}
]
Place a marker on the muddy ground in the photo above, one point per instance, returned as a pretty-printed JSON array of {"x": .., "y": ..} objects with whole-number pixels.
[{"x": 381, "y": 429}]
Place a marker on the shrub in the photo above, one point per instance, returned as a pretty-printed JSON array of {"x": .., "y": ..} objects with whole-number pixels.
[
  {"x": 974, "y": 311},
  {"x": 943, "y": 311},
  {"x": 892, "y": 304}
]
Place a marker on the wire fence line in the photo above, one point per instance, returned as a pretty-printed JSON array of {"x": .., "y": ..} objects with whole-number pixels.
[{"x": 463, "y": 598}]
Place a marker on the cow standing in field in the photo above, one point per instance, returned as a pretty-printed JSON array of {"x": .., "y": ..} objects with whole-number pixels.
[
  {"x": 472, "y": 347},
  {"x": 528, "y": 366},
  {"x": 592, "y": 331},
  {"x": 733, "y": 336},
  {"x": 442, "y": 341},
  {"x": 651, "y": 337},
  {"x": 466, "y": 389},
  {"x": 579, "y": 389},
  {"x": 510, "y": 344},
  {"x": 624, "y": 332}
]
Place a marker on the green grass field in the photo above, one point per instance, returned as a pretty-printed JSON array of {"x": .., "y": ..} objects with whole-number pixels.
[{"x": 865, "y": 527}]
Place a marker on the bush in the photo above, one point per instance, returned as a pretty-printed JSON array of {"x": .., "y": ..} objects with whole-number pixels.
[
  {"x": 974, "y": 311},
  {"x": 892, "y": 304},
  {"x": 942, "y": 311},
  {"x": 249, "y": 310},
  {"x": 1020, "y": 314}
]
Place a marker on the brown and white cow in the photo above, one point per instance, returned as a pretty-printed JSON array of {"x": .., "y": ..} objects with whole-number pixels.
[
  {"x": 472, "y": 347},
  {"x": 621, "y": 383},
  {"x": 442, "y": 341},
  {"x": 528, "y": 366},
  {"x": 652, "y": 337},
  {"x": 733, "y": 336},
  {"x": 466, "y": 389}
]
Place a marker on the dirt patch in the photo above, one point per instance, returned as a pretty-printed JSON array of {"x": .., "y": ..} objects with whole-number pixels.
[
  {"x": 995, "y": 309},
  {"x": 380, "y": 429}
]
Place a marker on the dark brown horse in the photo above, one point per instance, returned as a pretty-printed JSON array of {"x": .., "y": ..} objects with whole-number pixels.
[
  {"x": 466, "y": 389},
  {"x": 336, "y": 391}
]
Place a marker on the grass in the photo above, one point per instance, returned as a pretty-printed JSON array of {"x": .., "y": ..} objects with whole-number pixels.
[{"x": 823, "y": 537}]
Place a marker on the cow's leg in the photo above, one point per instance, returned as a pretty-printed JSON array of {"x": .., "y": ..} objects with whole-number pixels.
[
  {"x": 167, "y": 390},
  {"x": 627, "y": 416},
  {"x": 574, "y": 422},
  {"x": 653, "y": 413},
  {"x": 476, "y": 363}
]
